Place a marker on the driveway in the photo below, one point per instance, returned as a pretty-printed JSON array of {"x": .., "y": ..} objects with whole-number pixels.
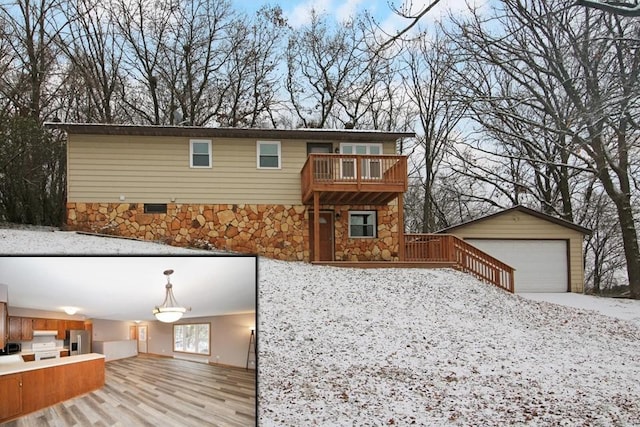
[{"x": 620, "y": 308}]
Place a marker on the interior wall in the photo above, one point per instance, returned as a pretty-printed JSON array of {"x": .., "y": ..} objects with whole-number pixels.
[
  {"x": 229, "y": 339},
  {"x": 110, "y": 330},
  {"x": 160, "y": 338}
]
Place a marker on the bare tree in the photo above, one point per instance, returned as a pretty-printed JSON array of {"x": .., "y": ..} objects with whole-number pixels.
[
  {"x": 143, "y": 25},
  {"x": 251, "y": 70},
  {"x": 590, "y": 61},
  {"x": 406, "y": 11},
  {"x": 5, "y": 69},
  {"x": 94, "y": 51},
  {"x": 624, "y": 8},
  {"x": 32, "y": 162},
  {"x": 429, "y": 65},
  {"x": 194, "y": 52},
  {"x": 29, "y": 31},
  {"x": 604, "y": 258},
  {"x": 331, "y": 72},
  {"x": 523, "y": 156}
]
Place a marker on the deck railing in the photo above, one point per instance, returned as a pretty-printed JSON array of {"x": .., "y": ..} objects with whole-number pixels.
[
  {"x": 354, "y": 170},
  {"x": 466, "y": 257}
]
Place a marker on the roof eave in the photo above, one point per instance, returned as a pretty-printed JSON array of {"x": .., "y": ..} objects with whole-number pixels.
[
  {"x": 221, "y": 132},
  {"x": 520, "y": 208}
]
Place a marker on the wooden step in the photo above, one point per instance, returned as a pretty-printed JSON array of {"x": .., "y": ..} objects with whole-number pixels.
[{"x": 387, "y": 264}]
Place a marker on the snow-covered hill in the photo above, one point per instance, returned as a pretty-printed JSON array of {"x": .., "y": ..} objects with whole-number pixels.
[{"x": 401, "y": 346}]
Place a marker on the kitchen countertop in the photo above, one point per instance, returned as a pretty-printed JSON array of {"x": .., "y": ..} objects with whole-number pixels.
[{"x": 11, "y": 365}]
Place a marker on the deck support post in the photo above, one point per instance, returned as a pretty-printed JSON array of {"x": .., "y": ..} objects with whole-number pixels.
[
  {"x": 401, "y": 248},
  {"x": 316, "y": 226}
]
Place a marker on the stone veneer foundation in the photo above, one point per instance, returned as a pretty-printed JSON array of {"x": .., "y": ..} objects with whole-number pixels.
[{"x": 274, "y": 231}]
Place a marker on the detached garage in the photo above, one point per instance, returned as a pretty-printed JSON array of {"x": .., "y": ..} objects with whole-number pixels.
[{"x": 545, "y": 251}]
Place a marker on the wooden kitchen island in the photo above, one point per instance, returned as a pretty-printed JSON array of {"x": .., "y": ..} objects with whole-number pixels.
[{"x": 29, "y": 386}]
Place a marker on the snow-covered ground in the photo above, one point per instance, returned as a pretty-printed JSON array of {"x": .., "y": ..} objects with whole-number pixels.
[
  {"x": 40, "y": 240},
  {"x": 620, "y": 308},
  {"x": 408, "y": 346}
]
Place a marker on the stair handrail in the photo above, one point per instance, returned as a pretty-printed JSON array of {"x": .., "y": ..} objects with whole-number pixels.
[{"x": 465, "y": 257}]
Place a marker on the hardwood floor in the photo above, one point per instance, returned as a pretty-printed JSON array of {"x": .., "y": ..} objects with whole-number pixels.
[{"x": 157, "y": 391}]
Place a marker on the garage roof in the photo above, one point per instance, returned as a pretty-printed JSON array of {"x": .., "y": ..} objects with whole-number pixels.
[{"x": 520, "y": 208}]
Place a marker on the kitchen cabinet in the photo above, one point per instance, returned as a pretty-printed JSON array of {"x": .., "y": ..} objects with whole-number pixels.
[
  {"x": 15, "y": 328},
  {"x": 10, "y": 396},
  {"x": 62, "y": 329},
  {"x": 39, "y": 324},
  {"x": 88, "y": 326},
  {"x": 27, "y": 329},
  {"x": 45, "y": 324},
  {"x": 75, "y": 325},
  {"x": 20, "y": 329},
  {"x": 37, "y": 388},
  {"x": 4, "y": 324}
]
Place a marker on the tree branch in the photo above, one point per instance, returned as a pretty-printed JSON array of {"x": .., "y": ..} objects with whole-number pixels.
[
  {"x": 616, "y": 7},
  {"x": 414, "y": 21}
]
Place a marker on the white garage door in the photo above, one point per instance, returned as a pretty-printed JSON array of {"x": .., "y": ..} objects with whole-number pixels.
[{"x": 541, "y": 265}]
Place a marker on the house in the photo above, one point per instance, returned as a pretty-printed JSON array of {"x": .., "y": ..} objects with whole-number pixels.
[
  {"x": 314, "y": 195},
  {"x": 546, "y": 252},
  {"x": 304, "y": 194}
]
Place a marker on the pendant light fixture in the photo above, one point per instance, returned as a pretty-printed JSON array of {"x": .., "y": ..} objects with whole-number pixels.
[{"x": 169, "y": 311}]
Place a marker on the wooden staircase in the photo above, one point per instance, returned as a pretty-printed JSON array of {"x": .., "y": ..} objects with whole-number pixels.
[
  {"x": 447, "y": 248},
  {"x": 442, "y": 251}
]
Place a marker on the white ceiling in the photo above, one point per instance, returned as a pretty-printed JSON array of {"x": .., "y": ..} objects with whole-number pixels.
[{"x": 129, "y": 287}]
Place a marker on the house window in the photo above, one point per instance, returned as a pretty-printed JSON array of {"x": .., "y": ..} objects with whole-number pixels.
[
  {"x": 268, "y": 154},
  {"x": 192, "y": 338},
  {"x": 362, "y": 224},
  {"x": 155, "y": 208},
  {"x": 352, "y": 148},
  {"x": 369, "y": 167},
  {"x": 200, "y": 155}
]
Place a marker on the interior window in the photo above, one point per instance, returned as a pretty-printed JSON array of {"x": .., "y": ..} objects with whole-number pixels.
[{"x": 192, "y": 338}]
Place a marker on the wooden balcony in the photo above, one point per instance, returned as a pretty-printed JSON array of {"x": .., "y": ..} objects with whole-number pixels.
[
  {"x": 353, "y": 178},
  {"x": 465, "y": 257}
]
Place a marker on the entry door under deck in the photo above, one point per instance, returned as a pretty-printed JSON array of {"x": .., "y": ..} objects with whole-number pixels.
[{"x": 326, "y": 235}]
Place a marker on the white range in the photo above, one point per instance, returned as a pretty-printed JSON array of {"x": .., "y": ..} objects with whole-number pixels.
[{"x": 45, "y": 350}]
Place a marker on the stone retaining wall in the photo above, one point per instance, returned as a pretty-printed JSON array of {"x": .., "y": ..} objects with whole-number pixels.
[{"x": 275, "y": 231}]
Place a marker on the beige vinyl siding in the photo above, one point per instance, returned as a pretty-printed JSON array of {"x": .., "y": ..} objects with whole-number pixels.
[
  {"x": 146, "y": 169},
  {"x": 521, "y": 226}
]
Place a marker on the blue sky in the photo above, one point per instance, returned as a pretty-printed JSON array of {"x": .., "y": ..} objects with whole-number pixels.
[{"x": 297, "y": 11}]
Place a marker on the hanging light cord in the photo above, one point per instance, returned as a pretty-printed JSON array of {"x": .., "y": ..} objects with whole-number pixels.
[{"x": 169, "y": 298}]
